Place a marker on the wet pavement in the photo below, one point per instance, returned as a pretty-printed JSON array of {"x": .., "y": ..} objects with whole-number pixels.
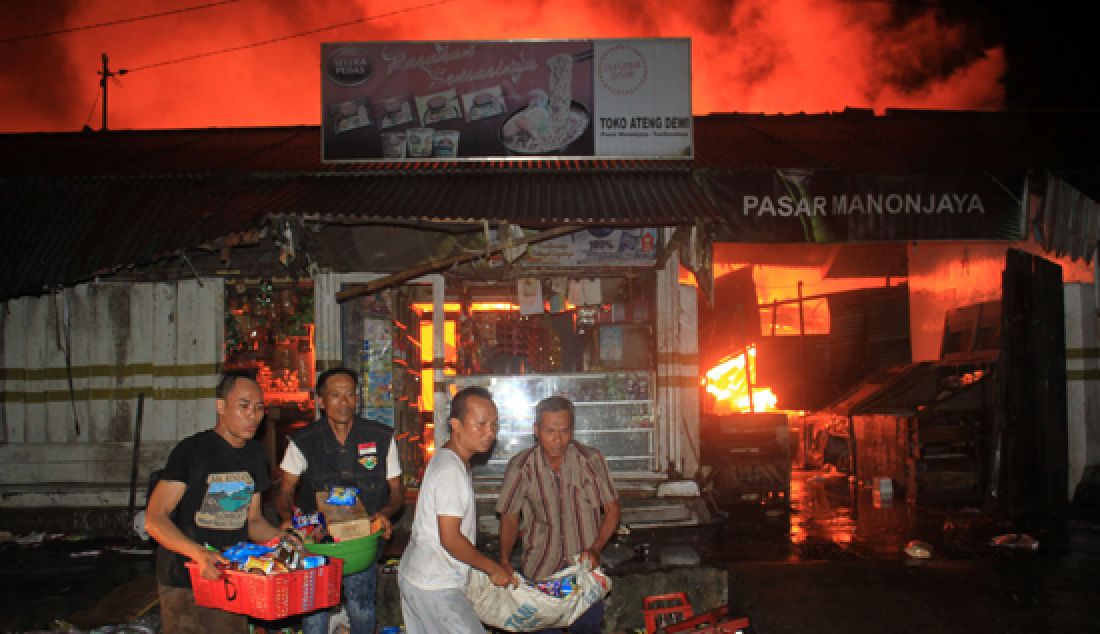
[{"x": 826, "y": 565}]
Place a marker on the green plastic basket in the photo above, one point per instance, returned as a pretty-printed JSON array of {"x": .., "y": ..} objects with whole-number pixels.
[{"x": 358, "y": 554}]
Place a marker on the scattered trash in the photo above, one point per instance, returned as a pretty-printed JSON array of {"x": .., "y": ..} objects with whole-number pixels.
[
  {"x": 918, "y": 549},
  {"x": 131, "y": 551},
  {"x": 34, "y": 539},
  {"x": 1019, "y": 541},
  {"x": 138, "y": 525},
  {"x": 130, "y": 628}
]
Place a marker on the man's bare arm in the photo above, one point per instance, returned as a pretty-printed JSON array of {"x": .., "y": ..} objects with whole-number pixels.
[
  {"x": 163, "y": 501},
  {"x": 284, "y": 498},
  {"x": 452, "y": 539}
]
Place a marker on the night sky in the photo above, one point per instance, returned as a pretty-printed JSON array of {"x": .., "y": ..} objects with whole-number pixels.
[{"x": 771, "y": 56}]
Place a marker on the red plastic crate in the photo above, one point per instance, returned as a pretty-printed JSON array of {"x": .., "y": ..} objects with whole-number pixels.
[
  {"x": 716, "y": 621},
  {"x": 663, "y": 610},
  {"x": 270, "y": 597}
]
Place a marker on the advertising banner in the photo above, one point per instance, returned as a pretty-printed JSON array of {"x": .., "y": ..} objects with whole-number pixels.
[
  {"x": 802, "y": 205},
  {"x": 599, "y": 248},
  {"x": 482, "y": 100}
]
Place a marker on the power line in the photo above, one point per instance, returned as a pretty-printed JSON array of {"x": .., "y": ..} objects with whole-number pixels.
[
  {"x": 100, "y": 25},
  {"x": 291, "y": 36},
  {"x": 88, "y": 121}
]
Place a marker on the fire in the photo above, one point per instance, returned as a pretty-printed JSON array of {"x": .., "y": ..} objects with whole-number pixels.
[
  {"x": 730, "y": 380},
  {"x": 749, "y": 56}
]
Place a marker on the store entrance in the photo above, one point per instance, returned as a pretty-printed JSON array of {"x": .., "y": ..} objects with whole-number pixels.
[
  {"x": 269, "y": 328},
  {"x": 591, "y": 341}
]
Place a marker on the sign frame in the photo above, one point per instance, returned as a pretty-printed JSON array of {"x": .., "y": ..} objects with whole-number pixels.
[{"x": 483, "y": 100}]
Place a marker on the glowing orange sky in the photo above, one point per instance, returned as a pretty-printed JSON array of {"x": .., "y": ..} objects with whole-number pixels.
[{"x": 749, "y": 56}]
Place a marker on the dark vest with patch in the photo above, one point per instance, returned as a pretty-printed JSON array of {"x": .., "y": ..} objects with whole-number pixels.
[{"x": 359, "y": 462}]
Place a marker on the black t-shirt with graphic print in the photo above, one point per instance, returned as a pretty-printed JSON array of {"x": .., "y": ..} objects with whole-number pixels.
[{"x": 214, "y": 508}]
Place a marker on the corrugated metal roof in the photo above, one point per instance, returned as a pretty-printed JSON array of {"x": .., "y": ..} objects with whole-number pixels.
[
  {"x": 900, "y": 141},
  {"x": 1069, "y": 221},
  {"x": 76, "y": 204},
  {"x": 73, "y": 228}
]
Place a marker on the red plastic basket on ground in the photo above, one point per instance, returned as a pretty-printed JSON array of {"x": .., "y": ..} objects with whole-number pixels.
[
  {"x": 663, "y": 610},
  {"x": 270, "y": 597},
  {"x": 716, "y": 621}
]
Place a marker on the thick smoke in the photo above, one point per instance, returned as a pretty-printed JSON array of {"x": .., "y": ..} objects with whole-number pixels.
[{"x": 750, "y": 55}]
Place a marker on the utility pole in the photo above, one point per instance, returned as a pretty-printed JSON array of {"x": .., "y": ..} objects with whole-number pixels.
[{"x": 103, "y": 75}]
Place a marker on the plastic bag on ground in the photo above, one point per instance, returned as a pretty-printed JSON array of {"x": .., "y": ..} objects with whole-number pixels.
[{"x": 527, "y": 609}]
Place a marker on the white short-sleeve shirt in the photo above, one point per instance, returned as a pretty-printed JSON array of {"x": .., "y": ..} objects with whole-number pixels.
[
  {"x": 295, "y": 463},
  {"x": 447, "y": 490}
]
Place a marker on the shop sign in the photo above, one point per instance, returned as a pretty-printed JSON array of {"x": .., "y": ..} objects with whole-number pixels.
[
  {"x": 479, "y": 100},
  {"x": 829, "y": 206},
  {"x": 595, "y": 248}
]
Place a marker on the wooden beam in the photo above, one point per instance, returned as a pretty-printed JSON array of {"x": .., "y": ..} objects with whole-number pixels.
[{"x": 435, "y": 265}]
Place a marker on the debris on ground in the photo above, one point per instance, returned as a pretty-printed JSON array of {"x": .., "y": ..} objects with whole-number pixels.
[
  {"x": 1019, "y": 541},
  {"x": 34, "y": 539},
  {"x": 130, "y": 603},
  {"x": 918, "y": 549}
]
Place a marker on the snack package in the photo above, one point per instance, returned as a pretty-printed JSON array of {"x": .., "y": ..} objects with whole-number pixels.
[
  {"x": 307, "y": 523},
  {"x": 242, "y": 551},
  {"x": 343, "y": 496}
]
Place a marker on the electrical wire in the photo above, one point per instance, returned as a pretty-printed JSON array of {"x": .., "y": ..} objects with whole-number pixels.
[
  {"x": 100, "y": 25},
  {"x": 95, "y": 102},
  {"x": 291, "y": 36}
]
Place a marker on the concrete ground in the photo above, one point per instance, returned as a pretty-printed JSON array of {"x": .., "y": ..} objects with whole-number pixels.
[{"x": 829, "y": 565}]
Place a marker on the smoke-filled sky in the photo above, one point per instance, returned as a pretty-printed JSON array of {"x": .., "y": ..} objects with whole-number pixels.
[{"x": 771, "y": 56}]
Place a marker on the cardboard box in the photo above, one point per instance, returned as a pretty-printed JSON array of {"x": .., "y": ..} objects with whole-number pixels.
[
  {"x": 352, "y": 529},
  {"x": 346, "y": 522},
  {"x": 335, "y": 514}
]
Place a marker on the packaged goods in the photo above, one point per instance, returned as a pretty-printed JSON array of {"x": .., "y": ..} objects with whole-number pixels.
[
  {"x": 343, "y": 496},
  {"x": 273, "y": 596}
]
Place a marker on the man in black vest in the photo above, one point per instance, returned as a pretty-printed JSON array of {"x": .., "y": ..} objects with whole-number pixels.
[{"x": 342, "y": 449}]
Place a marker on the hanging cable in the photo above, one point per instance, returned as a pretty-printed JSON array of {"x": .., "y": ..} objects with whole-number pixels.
[
  {"x": 291, "y": 36},
  {"x": 100, "y": 25},
  {"x": 88, "y": 121}
]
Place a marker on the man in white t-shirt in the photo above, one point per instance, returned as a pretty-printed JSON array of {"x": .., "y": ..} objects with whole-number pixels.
[
  {"x": 434, "y": 569},
  {"x": 343, "y": 450}
]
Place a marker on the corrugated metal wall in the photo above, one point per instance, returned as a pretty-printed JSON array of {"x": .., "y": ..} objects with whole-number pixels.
[
  {"x": 677, "y": 372},
  {"x": 1082, "y": 380},
  {"x": 74, "y": 363}
]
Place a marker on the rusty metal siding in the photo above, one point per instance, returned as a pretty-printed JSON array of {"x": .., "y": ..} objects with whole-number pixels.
[
  {"x": 115, "y": 341},
  {"x": 1069, "y": 222}
]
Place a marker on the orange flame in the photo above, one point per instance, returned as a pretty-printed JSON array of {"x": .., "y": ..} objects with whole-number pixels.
[{"x": 729, "y": 382}]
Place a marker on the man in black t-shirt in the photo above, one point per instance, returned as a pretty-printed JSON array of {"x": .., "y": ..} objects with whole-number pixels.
[{"x": 209, "y": 494}]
